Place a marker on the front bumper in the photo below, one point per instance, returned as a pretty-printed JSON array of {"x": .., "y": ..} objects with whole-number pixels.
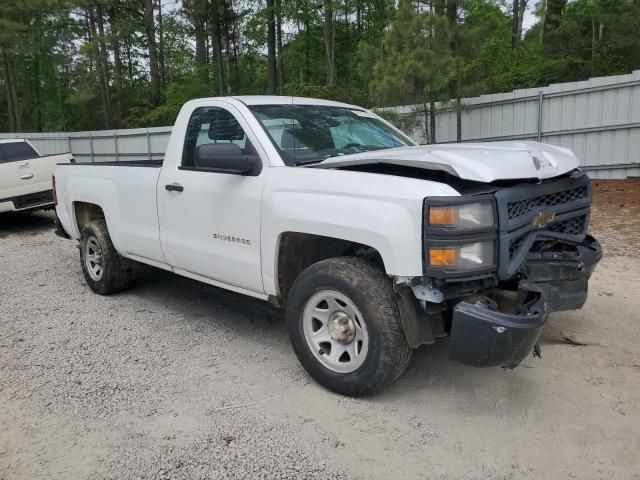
[
  {"x": 489, "y": 333},
  {"x": 483, "y": 336}
]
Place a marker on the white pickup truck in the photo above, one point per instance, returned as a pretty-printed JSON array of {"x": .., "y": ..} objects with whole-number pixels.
[
  {"x": 373, "y": 244},
  {"x": 25, "y": 176}
]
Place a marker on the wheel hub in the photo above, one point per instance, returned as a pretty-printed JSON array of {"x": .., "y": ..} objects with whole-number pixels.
[
  {"x": 93, "y": 259},
  {"x": 342, "y": 327},
  {"x": 335, "y": 331}
]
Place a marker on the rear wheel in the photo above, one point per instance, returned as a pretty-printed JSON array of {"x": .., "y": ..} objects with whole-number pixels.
[
  {"x": 345, "y": 328},
  {"x": 104, "y": 269}
]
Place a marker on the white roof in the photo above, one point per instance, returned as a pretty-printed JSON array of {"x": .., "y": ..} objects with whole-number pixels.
[
  {"x": 12, "y": 140},
  {"x": 281, "y": 99}
]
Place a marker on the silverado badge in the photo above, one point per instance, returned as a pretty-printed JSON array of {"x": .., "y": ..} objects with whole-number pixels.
[{"x": 542, "y": 219}]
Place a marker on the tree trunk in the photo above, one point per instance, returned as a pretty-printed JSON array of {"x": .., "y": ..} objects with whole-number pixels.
[
  {"x": 280, "y": 66},
  {"x": 425, "y": 111},
  {"x": 102, "y": 86},
  {"x": 453, "y": 18},
  {"x": 458, "y": 101},
  {"x": 216, "y": 44},
  {"x": 522, "y": 7},
  {"x": 200, "y": 14},
  {"x": 163, "y": 71},
  {"x": 154, "y": 70},
  {"x": 432, "y": 120},
  {"x": 103, "y": 58},
  {"x": 271, "y": 48},
  {"x": 117, "y": 64},
  {"x": 515, "y": 39},
  {"x": 10, "y": 87},
  {"x": 228, "y": 47},
  {"x": 328, "y": 42},
  {"x": 129, "y": 62},
  {"x": 307, "y": 49}
]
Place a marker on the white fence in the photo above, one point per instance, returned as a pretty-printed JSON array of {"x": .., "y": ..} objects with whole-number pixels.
[
  {"x": 599, "y": 119},
  {"x": 102, "y": 145}
]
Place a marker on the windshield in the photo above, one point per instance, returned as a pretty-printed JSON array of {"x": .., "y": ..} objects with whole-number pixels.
[{"x": 311, "y": 133}]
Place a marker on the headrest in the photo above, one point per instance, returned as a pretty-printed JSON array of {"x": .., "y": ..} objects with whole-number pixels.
[
  {"x": 288, "y": 141},
  {"x": 225, "y": 127}
]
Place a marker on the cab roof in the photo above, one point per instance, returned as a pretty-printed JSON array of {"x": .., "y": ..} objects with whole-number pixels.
[{"x": 281, "y": 99}]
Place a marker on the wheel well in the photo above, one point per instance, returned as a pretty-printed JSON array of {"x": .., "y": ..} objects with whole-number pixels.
[
  {"x": 297, "y": 251},
  {"x": 87, "y": 212}
]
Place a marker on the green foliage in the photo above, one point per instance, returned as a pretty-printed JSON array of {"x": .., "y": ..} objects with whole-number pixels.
[
  {"x": 76, "y": 65},
  {"x": 414, "y": 58}
]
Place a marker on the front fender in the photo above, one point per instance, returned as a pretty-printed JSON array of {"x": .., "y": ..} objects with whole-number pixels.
[{"x": 380, "y": 211}]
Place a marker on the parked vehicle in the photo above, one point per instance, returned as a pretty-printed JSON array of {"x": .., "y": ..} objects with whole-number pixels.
[
  {"x": 25, "y": 176},
  {"x": 373, "y": 244}
]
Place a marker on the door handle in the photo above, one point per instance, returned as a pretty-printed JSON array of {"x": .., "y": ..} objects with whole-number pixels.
[
  {"x": 174, "y": 187},
  {"x": 23, "y": 165},
  {"x": 27, "y": 176}
]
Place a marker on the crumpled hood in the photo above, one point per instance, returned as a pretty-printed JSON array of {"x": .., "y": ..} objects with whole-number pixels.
[{"x": 481, "y": 162}]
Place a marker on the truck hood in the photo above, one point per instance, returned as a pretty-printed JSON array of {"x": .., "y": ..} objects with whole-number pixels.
[{"x": 480, "y": 162}]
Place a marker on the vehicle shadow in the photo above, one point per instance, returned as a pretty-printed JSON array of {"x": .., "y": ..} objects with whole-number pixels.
[
  {"x": 15, "y": 223},
  {"x": 192, "y": 299},
  {"x": 259, "y": 325}
]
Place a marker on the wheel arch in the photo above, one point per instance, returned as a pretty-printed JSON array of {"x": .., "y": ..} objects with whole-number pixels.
[
  {"x": 85, "y": 212},
  {"x": 297, "y": 251}
]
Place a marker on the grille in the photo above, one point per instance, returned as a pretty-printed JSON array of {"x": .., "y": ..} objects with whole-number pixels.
[
  {"x": 572, "y": 226},
  {"x": 522, "y": 207},
  {"x": 33, "y": 199}
]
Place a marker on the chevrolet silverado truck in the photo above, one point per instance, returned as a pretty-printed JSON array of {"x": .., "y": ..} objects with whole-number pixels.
[
  {"x": 373, "y": 244},
  {"x": 25, "y": 176}
]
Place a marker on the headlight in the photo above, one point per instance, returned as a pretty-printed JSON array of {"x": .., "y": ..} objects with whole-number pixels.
[
  {"x": 463, "y": 216},
  {"x": 468, "y": 256}
]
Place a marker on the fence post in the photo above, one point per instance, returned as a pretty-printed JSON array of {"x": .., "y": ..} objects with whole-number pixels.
[
  {"x": 93, "y": 160},
  {"x": 540, "y": 100},
  {"x": 115, "y": 145},
  {"x": 148, "y": 144},
  {"x": 69, "y": 143}
]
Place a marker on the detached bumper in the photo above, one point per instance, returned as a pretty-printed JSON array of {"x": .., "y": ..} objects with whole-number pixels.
[{"x": 483, "y": 336}]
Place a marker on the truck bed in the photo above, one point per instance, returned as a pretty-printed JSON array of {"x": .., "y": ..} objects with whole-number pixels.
[{"x": 127, "y": 197}]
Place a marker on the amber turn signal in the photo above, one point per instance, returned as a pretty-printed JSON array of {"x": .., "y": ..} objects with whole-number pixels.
[
  {"x": 444, "y": 257},
  {"x": 443, "y": 215}
]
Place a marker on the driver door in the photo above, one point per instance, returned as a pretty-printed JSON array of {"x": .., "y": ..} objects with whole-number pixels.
[{"x": 212, "y": 219}]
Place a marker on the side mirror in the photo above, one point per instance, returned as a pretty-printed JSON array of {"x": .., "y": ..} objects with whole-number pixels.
[{"x": 226, "y": 158}]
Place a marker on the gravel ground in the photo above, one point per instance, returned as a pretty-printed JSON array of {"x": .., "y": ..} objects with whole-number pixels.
[{"x": 175, "y": 379}]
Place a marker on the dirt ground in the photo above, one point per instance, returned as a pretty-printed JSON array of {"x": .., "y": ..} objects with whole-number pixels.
[{"x": 174, "y": 379}]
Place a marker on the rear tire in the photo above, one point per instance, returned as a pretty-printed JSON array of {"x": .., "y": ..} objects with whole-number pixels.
[
  {"x": 330, "y": 301},
  {"x": 104, "y": 269}
]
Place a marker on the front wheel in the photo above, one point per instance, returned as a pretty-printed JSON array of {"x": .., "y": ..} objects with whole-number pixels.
[
  {"x": 104, "y": 269},
  {"x": 345, "y": 328}
]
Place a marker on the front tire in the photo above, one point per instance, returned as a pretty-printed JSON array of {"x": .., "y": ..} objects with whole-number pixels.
[
  {"x": 345, "y": 327},
  {"x": 104, "y": 269}
]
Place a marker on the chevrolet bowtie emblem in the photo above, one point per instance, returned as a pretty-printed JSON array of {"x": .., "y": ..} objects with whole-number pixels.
[{"x": 543, "y": 219}]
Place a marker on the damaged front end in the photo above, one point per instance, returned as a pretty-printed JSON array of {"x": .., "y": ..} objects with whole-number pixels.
[{"x": 541, "y": 262}]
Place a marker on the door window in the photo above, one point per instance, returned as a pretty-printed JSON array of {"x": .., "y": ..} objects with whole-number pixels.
[
  {"x": 16, "y": 151},
  {"x": 212, "y": 125}
]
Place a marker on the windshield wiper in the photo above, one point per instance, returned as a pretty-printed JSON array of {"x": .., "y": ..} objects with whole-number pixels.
[{"x": 315, "y": 160}]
